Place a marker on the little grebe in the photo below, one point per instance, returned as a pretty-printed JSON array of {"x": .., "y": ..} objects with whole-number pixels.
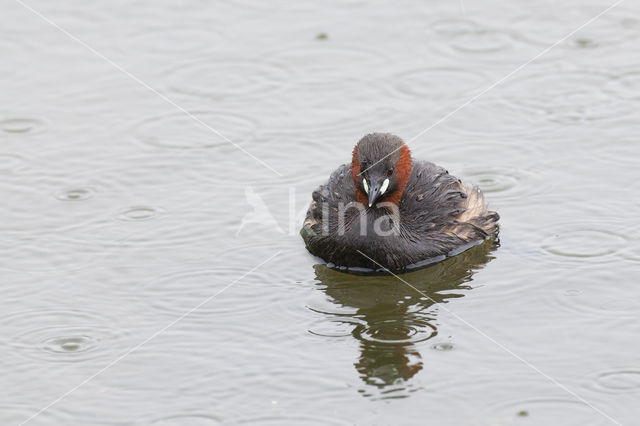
[{"x": 388, "y": 211}]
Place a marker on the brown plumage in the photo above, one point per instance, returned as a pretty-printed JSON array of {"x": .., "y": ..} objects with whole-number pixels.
[{"x": 400, "y": 212}]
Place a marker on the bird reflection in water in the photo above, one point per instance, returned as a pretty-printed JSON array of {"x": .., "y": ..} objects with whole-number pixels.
[{"x": 390, "y": 317}]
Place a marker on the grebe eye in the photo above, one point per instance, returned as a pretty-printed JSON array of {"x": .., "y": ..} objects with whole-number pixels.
[{"x": 389, "y": 172}]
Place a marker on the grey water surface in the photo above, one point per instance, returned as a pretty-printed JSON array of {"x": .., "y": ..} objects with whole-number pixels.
[{"x": 156, "y": 159}]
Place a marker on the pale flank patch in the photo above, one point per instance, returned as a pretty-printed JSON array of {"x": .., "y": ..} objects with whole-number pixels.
[
  {"x": 475, "y": 204},
  {"x": 310, "y": 221}
]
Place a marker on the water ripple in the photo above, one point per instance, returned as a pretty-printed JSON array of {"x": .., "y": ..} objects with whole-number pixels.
[
  {"x": 502, "y": 154},
  {"x": 12, "y": 163},
  {"x": 292, "y": 421},
  {"x": 443, "y": 347},
  {"x": 139, "y": 213},
  {"x": 335, "y": 125},
  {"x": 398, "y": 330},
  {"x": 335, "y": 327},
  {"x": 184, "y": 420},
  {"x": 632, "y": 251},
  {"x": 180, "y": 131},
  {"x": 184, "y": 290},
  {"x": 611, "y": 29},
  {"x": 75, "y": 194},
  {"x": 543, "y": 411},
  {"x": 177, "y": 40},
  {"x": 61, "y": 335},
  {"x": 576, "y": 242},
  {"x": 327, "y": 63},
  {"x": 566, "y": 96},
  {"x": 492, "y": 117},
  {"x": 59, "y": 251},
  {"x": 580, "y": 291},
  {"x": 435, "y": 83},
  {"x": 617, "y": 381},
  {"x": 625, "y": 85},
  {"x": 505, "y": 183},
  {"x": 218, "y": 78},
  {"x": 18, "y": 125},
  {"x": 467, "y": 39},
  {"x": 14, "y": 414}
]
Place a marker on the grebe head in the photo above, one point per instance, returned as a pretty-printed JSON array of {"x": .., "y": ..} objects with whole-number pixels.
[{"x": 380, "y": 167}]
